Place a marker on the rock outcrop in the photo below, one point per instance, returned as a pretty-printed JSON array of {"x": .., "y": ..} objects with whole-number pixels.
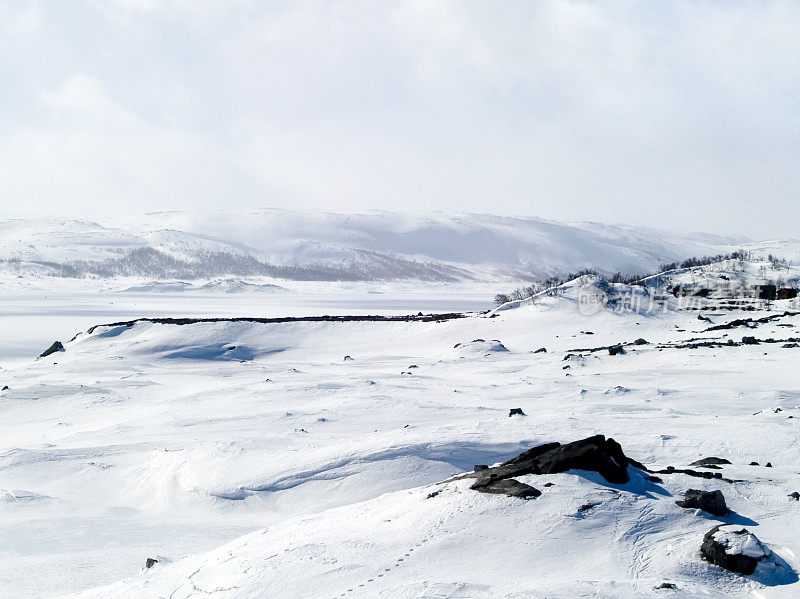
[
  {"x": 712, "y": 502},
  {"x": 56, "y": 347},
  {"x": 596, "y": 454},
  {"x": 505, "y": 486},
  {"x": 733, "y": 548}
]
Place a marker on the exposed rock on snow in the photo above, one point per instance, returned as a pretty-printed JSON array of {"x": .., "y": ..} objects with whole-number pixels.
[
  {"x": 712, "y": 502},
  {"x": 596, "y": 454},
  {"x": 733, "y": 548},
  {"x": 56, "y": 347},
  {"x": 709, "y": 462},
  {"x": 667, "y": 585},
  {"x": 505, "y": 486},
  {"x": 515, "y": 412}
]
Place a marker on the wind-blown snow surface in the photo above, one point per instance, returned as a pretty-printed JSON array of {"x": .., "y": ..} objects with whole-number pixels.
[
  {"x": 168, "y": 441},
  {"x": 328, "y": 246}
]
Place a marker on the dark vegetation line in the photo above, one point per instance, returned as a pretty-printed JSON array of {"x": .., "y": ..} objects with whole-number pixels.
[
  {"x": 150, "y": 262},
  {"x": 284, "y": 319}
]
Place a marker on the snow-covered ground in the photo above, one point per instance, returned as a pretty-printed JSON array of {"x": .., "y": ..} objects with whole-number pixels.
[{"x": 299, "y": 459}]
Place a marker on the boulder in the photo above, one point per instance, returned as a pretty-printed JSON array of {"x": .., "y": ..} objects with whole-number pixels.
[
  {"x": 505, "y": 486},
  {"x": 749, "y": 341},
  {"x": 640, "y": 341},
  {"x": 541, "y": 350},
  {"x": 515, "y": 412},
  {"x": 596, "y": 454},
  {"x": 712, "y": 502},
  {"x": 150, "y": 562},
  {"x": 667, "y": 585},
  {"x": 710, "y": 461},
  {"x": 733, "y": 548},
  {"x": 795, "y": 495},
  {"x": 616, "y": 350},
  {"x": 56, "y": 347}
]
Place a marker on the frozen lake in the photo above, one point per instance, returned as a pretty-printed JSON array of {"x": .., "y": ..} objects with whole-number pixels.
[{"x": 30, "y": 320}]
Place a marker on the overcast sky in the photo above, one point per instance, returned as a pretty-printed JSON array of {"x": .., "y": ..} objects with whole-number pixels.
[{"x": 682, "y": 115}]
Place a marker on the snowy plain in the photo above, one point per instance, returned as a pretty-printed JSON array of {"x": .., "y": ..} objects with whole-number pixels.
[
  {"x": 315, "y": 459},
  {"x": 281, "y": 468}
]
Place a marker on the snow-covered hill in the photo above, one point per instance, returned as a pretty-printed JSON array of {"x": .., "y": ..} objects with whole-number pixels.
[
  {"x": 327, "y": 246},
  {"x": 314, "y": 458}
]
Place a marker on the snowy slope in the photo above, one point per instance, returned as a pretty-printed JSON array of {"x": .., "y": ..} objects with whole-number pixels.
[
  {"x": 330, "y": 246},
  {"x": 165, "y": 441}
]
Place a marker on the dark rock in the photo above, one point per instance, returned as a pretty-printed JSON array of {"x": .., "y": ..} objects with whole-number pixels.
[
  {"x": 753, "y": 464},
  {"x": 787, "y": 293},
  {"x": 712, "y": 502},
  {"x": 541, "y": 350},
  {"x": 516, "y": 412},
  {"x": 548, "y": 484},
  {"x": 346, "y": 358},
  {"x": 768, "y": 465},
  {"x": 795, "y": 496},
  {"x": 506, "y": 486},
  {"x": 616, "y": 350},
  {"x": 432, "y": 495},
  {"x": 767, "y": 292},
  {"x": 749, "y": 341},
  {"x": 640, "y": 341},
  {"x": 667, "y": 585},
  {"x": 695, "y": 473},
  {"x": 150, "y": 562},
  {"x": 5, "y": 387},
  {"x": 587, "y": 506},
  {"x": 710, "y": 461},
  {"x": 57, "y": 346},
  {"x": 654, "y": 479},
  {"x": 413, "y": 366},
  {"x": 479, "y": 467},
  {"x": 565, "y": 367},
  {"x": 716, "y": 546},
  {"x": 596, "y": 454},
  {"x": 789, "y": 345}
]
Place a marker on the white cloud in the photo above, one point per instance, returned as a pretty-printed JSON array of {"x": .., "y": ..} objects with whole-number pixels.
[
  {"x": 570, "y": 109},
  {"x": 89, "y": 152}
]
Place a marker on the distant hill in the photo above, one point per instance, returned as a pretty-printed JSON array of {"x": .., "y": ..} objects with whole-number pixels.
[{"x": 371, "y": 246}]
